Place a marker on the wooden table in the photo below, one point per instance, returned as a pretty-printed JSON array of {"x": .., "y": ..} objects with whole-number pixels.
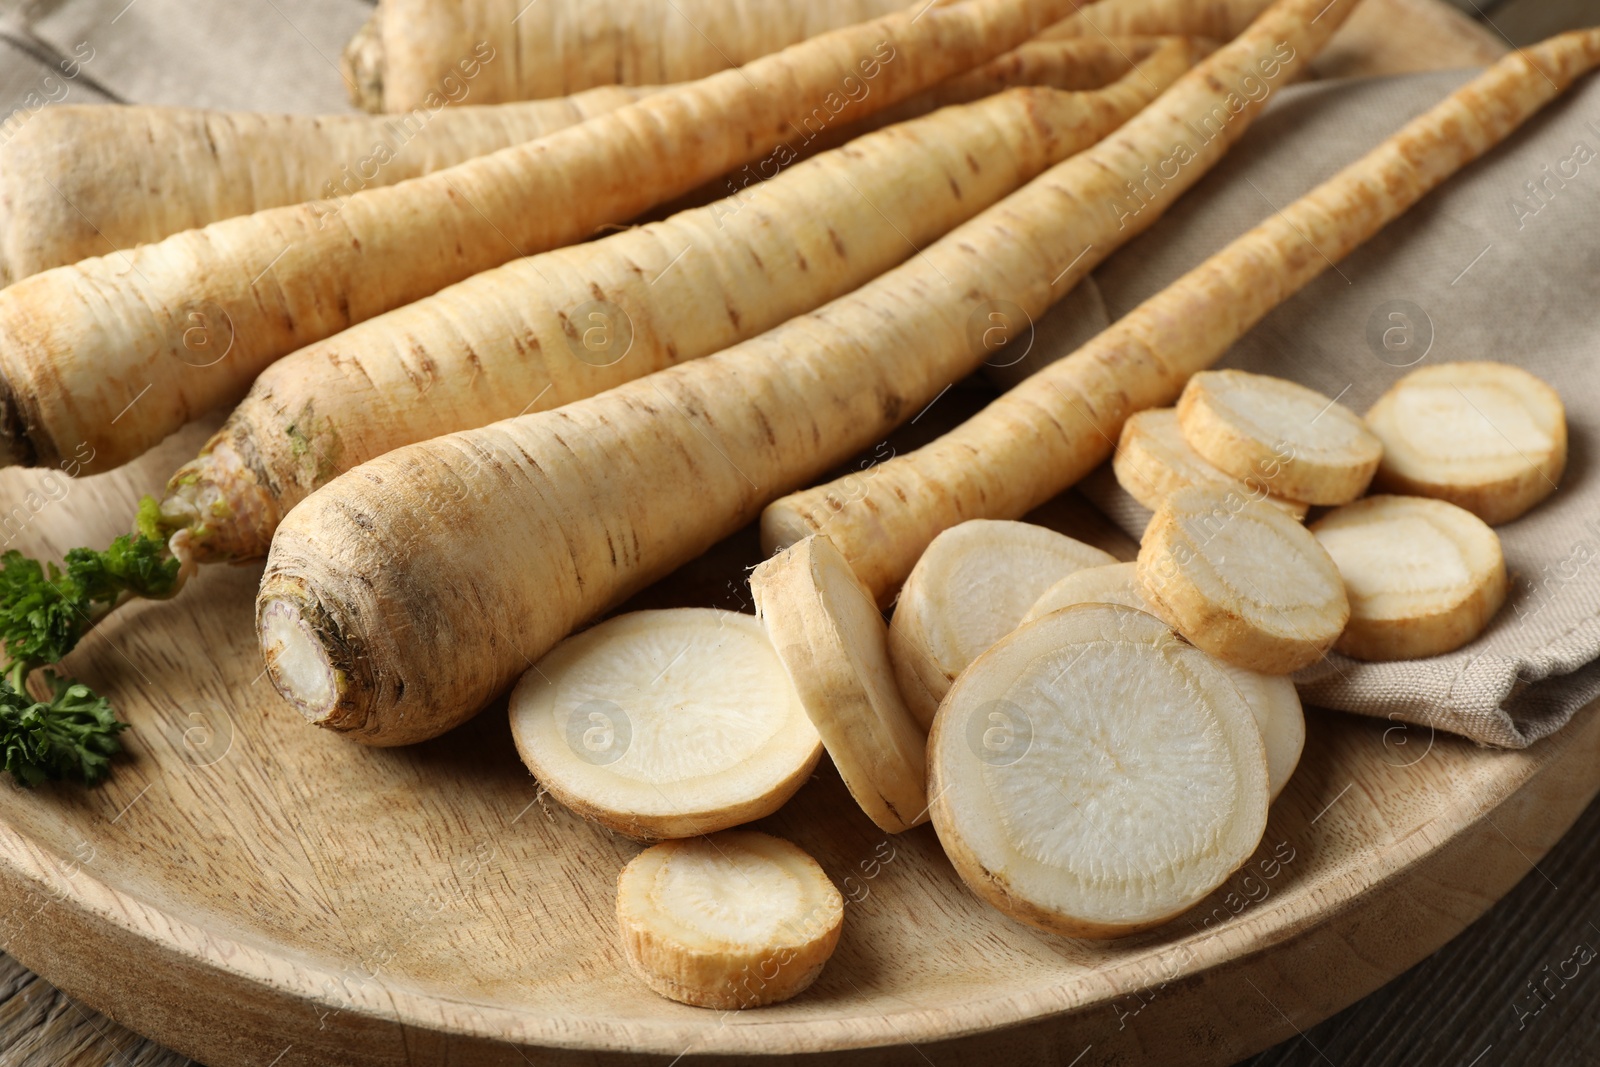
[{"x": 1471, "y": 1003}]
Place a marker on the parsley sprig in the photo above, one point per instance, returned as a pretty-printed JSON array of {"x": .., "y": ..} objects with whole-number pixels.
[{"x": 44, "y": 612}]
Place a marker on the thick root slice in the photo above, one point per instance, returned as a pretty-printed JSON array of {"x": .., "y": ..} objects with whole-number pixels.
[
  {"x": 1093, "y": 775},
  {"x": 1242, "y": 580},
  {"x": 970, "y": 588},
  {"x": 1300, "y": 444},
  {"x": 831, "y": 637},
  {"x": 665, "y": 723},
  {"x": 735, "y": 920},
  {"x": 1153, "y": 461},
  {"x": 1487, "y": 437},
  {"x": 1114, "y": 583},
  {"x": 1424, "y": 577},
  {"x": 1279, "y": 715},
  {"x": 1272, "y": 698}
]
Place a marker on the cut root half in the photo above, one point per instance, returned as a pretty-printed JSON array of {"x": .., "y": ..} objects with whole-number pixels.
[
  {"x": 1242, "y": 580},
  {"x": 1272, "y": 698},
  {"x": 735, "y": 920},
  {"x": 970, "y": 588},
  {"x": 1298, "y": 443},
  {"x": 1094, "y": 775},
  {"x": 833, "y": 641},
  {"x": 664, "y": 724},
  {"x": 1487, "y": 437},
  {"x": 1153, "y": 461},
  {"x": 1424, "y": 577}
]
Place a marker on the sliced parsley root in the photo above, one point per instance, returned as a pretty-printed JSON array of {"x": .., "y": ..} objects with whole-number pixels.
[{"x": 44, "y": 612}]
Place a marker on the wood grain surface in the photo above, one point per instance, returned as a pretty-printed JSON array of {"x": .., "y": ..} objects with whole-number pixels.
[
  {"x": 251, "y": 890},
  {"x": 264, "y": 816}
]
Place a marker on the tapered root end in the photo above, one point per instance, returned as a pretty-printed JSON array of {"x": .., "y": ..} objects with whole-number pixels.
[
  {"x": 228, "y": 512},
  {"x": 298, "y": 662}
]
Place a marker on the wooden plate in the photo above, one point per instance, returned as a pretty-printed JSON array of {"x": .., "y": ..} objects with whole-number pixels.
[{"x": 250, "y": 890}]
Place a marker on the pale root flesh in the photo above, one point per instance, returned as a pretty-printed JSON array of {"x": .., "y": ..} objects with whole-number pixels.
[
  {"x": 735, "y": 920},
  {"x": 294, "y": 653},
  {"x": 1093, "y": 775},
  {"x": 1113, "y": 583},
  {"x": 1058, "y": 425},
  {"x": 567, "y": 512},
  {"x": 108, "y": 352},
  {"x": 833, "y": 641},
  {"x": 969, "y": 589},
  {"x": 532, "y": 335},
  {"x": 1276, "y": 434},
  {"x": 1242, "y": 580},
  {"x": 1153, "y": 461},
  {"x": 1488, "y": 437},
  {"x": 1272, "y": 698},
  {"x": 1424, "y": 577},
  {"x": 661, "y": 724},
  {"x": 76, "y": 180}
]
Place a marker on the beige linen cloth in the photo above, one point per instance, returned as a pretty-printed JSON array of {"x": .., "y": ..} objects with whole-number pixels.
[{"x": 1501, "y": 263}]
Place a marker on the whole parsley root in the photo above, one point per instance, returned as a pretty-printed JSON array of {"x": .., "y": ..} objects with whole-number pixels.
[
  {"x": 399, "y": 598},
  {"x": 44, "y": 612},
  {"x": 268, "y": 284},
  {"x": 531, "y": 336}
]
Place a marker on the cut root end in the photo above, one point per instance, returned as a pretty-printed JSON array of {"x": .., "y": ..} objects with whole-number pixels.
[
  {"x": 218, "y": 499},
  {"x": 298, "y": 663}
]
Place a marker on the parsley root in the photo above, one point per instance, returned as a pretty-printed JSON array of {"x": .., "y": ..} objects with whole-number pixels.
[
  {"x": 513, "y": 340},
  {"x": 516, "y": 532},
  {"x": 1220, "y": 20},
  {"x": 119, "y": 351},
  {"x": 555, "y": 47},
  {"x": 77, "y": 181}
]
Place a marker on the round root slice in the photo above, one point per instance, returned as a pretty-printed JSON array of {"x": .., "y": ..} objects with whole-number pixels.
[
  {"x": 1272, "y": 698},
  {"x": 832, "y": 639},
  {"x": 1300, "y": 444},
  {"x": 1153, "y": 461},
  {"x": 1279, "y": 715},
  {"x": 665, "y": 723},
  {"x": 1093, "y": 775},
  {"x": 1242, "y": 580},
  {"x": 1487, "y": 437},
  {"x": 1114, "y": 583},
  {"x": 1424, "y": 577},
  {"x": 735, "y": 920},
  {"x": 971, "y": 587}
]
